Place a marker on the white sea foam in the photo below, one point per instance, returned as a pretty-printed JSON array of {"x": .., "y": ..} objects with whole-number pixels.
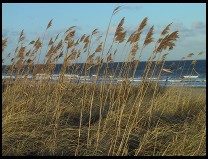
[
  {"x": 7, "y": 77},
  {"x": 199, "y": 82}
]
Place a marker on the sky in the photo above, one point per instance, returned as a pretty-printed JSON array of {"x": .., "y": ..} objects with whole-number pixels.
[{"x": 188, "y": 18}]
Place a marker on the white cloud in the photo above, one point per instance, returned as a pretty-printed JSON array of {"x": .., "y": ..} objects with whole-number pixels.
[
  {"x": 4, "y": 33},
  {"x": 198, "y": 25}
]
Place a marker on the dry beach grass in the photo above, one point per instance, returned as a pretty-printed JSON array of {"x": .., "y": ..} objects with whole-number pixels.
[{"x": 82, "y": 119}]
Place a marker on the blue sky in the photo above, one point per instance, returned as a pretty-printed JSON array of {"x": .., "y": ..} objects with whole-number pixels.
[{"x": 189, "y": 19}]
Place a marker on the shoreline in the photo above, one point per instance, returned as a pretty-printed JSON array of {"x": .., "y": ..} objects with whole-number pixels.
[
  {"x": 91, "y": 80},
  {"x": 23, "y": 82}
]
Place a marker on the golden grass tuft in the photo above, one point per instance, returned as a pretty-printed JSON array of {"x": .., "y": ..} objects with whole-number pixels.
[{"x": 149, "y": 38}]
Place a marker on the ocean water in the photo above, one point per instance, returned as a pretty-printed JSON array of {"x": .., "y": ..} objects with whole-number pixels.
[{"x": 81, "y": 73}]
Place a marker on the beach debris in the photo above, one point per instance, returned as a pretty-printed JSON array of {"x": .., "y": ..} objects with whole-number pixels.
[{"x": 167, "y": 70}]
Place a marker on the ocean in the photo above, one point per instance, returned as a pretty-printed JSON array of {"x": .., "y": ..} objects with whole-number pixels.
[{"x": 179, "y": 69}]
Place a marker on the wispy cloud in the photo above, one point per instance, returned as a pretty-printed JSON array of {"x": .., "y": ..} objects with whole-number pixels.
[
  {"x": 130, "y": 8},
  {"x": 198, "y": 25},
  {"x": 197, "y": 28},
  {"x": 130, "y": 29},
  {"x": 35, "y": 34},
  {"x": 4, "y": 33},
  {"x": 8, "y": 33},
  {"x": 75, "y": 19}
]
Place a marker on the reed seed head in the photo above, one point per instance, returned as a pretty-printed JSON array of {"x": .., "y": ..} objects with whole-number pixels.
[
  {"x": 149, "y": 38},
  {"x": 49, "y": 24}
]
